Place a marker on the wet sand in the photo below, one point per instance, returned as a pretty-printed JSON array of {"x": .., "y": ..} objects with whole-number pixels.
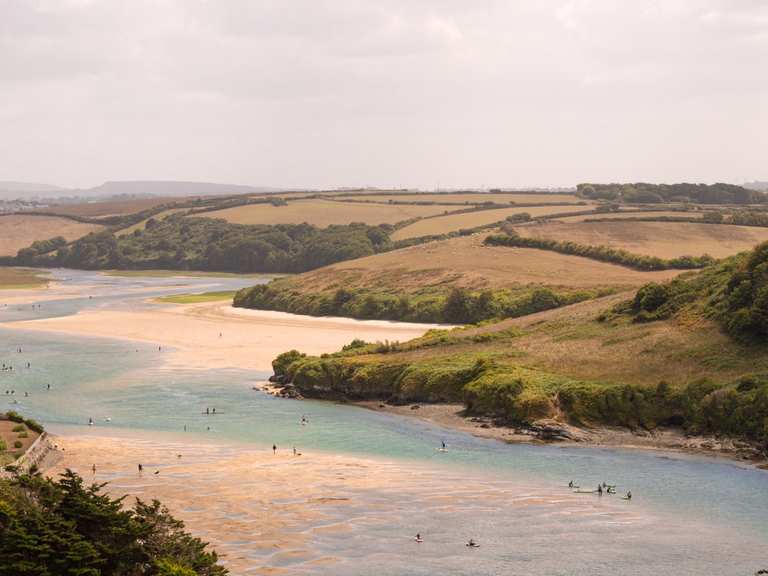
[{"x": 270, "y": 513}]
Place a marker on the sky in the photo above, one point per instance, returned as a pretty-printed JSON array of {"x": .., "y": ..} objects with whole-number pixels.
[{"x": 412, "y": 93}]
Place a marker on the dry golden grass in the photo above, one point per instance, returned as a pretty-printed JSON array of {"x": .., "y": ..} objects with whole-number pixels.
[
  {"x": 662, "y": 239},
  {"x": 99, "y": 209},
  {"x": 629, "y": 215},
  {"x": 323, "y": 213},
  {"x": 466, "y": 262},
  {"x": 454, "y": 222},
  {"x": 470, "y": 198},
  {"x": 18, "y": 231}
]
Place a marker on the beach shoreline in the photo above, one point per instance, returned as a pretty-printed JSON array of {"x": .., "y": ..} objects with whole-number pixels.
[{"x": 664, "y": 440}]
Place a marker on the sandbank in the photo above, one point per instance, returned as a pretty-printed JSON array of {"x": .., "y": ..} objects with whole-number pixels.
[{"x": 216, "y": 335}]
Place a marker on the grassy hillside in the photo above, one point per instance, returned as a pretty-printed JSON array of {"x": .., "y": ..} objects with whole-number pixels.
[
  {"x": 18, "y": 231},
  {"x": 324, "y": 213},
  {"x": 660, "y": 239},
  {"x": 691, "y": 352},
  {"x": 455, "y": 222},
  {"x": 467, "y": 198},
  {"x": 451, "y": 281}
]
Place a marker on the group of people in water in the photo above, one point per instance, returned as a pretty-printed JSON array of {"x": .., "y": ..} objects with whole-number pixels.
[
  {"x": 601, "y": 488},
  {"x": 470, "y": 543}
]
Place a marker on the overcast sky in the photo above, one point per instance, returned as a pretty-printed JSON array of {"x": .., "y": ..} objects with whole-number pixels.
[{"x": 386, "y": 93}]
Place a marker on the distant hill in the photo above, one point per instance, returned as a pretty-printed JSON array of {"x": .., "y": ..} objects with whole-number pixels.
[
  {"x": 11, "y": 190},
  {"x": 760, "y": 185},
  {"x": 168, "y": 188}
]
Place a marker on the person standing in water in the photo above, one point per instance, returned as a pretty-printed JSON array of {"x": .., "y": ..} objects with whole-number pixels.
[
  {"x": 274, "y": 449},
  {"x": 141, "y": 468}
]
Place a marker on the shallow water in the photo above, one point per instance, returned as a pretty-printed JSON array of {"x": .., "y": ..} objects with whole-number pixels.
[{"x": 689, "y": 515}]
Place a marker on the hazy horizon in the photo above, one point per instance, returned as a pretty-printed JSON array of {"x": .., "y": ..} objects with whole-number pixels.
[{"x": 391, "y": 94}]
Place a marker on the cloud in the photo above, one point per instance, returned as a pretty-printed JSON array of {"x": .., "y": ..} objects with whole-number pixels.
[{"x": 325, "y": 92}]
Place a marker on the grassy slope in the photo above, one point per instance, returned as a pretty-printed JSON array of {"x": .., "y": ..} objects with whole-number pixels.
[
  {"x": 569, "y": 364},
  {"x": 18, "y": 231},
  {"x": 324, "y": 213},
  {"x": 413, "y": 283},
  {"x": 661, "y": 239}
]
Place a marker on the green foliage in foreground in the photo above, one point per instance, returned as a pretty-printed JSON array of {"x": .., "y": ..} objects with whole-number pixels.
[
  {"x": 197, "y": 298},
  {"x": 454, "y": 306},
  {"x": 52, "y": 528},
  {"x": 182, "y": 243},
  {"x": 514, "y": 394},
  {"x": 602, "y": 253},
  {"x": 734, "y": 293}
]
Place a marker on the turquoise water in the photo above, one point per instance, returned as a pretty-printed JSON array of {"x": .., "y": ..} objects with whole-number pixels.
[{"x": 706, "y": 513}]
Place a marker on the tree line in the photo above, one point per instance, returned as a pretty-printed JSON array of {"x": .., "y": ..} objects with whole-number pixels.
[
  {"x": 185, "y": 243},
  {"x": 456, "y": 306},
  {"x": 645, "y": 193}
]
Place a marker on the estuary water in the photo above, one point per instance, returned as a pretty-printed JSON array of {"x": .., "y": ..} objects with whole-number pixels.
[{"x": 689, "y": 515}]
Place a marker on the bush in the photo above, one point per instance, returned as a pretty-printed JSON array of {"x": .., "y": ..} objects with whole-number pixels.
[
  {"x": 17, "y": 444},
  {"x": 18, "y": 428}
]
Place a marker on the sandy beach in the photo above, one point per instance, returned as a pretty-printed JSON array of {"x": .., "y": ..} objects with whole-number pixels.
[{"x": 216, "y": 335}]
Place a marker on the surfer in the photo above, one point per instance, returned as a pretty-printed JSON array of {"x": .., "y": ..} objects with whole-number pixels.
[
  {"x": 444, "y": 448},
  {"x": 628, "y": 496},
  {"x": 472, "y": 544},
  {"x": 418, "y": 538}
]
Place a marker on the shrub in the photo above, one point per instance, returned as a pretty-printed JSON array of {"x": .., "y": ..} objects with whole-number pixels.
[
  {"x": 18, "y": 428},
  {"x": 17, "y": 444}
]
